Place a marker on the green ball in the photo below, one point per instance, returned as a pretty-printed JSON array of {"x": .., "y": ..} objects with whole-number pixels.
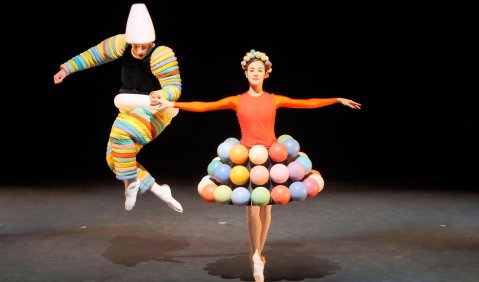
[
  {"x": 283, "y": 138},
  {"x": 212, "y": 166},
  {"x": 260, "y": 196},
  {"x": 222, "y": 194}
]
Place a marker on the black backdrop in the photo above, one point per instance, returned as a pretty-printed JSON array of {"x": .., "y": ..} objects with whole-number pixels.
[{"x": 410, "y": 67}]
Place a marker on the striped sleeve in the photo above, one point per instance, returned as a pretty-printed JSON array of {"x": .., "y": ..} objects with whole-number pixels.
[
  {"x": 164, "y": 66},
  {"x": 108, "y": 50}
]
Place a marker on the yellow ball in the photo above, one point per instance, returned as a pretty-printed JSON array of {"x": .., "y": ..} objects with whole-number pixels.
[
  {"x": 239, "y": 175},
  {"x": 222, "y": 194}
]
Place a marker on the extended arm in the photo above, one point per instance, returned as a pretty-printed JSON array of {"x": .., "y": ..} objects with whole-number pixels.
[
  {"x": 286, "y": 102},
  {"x": 108, "y": 50},
  {"x": 228, "y": 103}
]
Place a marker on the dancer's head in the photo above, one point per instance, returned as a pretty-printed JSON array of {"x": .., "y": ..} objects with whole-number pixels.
[
  {"x": 253, "y": 56},
  {"x": 257, "y": 66},
  {"x": 140, "y": 32}
]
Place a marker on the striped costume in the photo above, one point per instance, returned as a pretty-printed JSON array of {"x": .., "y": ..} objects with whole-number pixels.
[{"x": 134, "y": 128}]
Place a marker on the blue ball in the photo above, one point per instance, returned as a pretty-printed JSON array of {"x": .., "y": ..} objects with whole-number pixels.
[
  {"x": 232, "y": 140},
  {"x": 223, "y": 150},
  {"x": 222, "y": 173},
  {"x": 298, "y": 191},
  {"x": 240, "y": 196},
  {"x": 292, "y": 146},
  {"x": 306, "y": 162}
]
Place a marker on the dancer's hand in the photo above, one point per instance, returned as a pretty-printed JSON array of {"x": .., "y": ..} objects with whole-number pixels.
[
  {"x": 155, "y": 97},
  {"x": 163, "y": 103},
  {"x": 350, "y": 103},
  {"x": 59, "y": 76}
]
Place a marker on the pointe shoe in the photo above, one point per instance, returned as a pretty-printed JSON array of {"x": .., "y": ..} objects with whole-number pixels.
[
  {"x": 258, "y": 268},
  {"x": 164, "y": 193},
  {"x": 131, "y": 192},
  {"x": 263, "y": 259}
]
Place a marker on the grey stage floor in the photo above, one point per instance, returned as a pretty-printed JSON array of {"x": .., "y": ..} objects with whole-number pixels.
[{"x": 350, "y": 232}]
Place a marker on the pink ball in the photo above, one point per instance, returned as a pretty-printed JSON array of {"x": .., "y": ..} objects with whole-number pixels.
[
  {"x": 318, "y": 178},
  {"x": 296, "y": 170},
  {"x": 279, "y": 173},
  {"x": 312, "y": 186},
  {"x": 259, "y": 175}
]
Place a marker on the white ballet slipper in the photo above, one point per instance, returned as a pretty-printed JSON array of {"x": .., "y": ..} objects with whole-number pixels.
[
  {"x": 131, "y": 192},
  {"x": 164, "y": 193}
]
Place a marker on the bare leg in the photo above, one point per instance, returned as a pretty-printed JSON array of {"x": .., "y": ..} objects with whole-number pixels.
[
  {"x": 257, "y": 236},
  {"x": 265, "y": 217},
  {"x": 253, "y": 222}
]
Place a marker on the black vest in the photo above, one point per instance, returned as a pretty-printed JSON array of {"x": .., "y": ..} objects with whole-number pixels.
[{"x": 136, "y": 76}]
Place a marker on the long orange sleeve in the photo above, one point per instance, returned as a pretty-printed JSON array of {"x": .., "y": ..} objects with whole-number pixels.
[
  {"x": 286, "y": 102},
  {"x": 228, "y": 103}
]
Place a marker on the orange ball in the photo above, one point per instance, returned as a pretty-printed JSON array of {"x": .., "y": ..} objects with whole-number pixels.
[
  {"x": 278, "y": 152},
  {"x": 280, "y": 194},
  {"x": 239, "y": 154},
  {"x": 208, "y": 192}
]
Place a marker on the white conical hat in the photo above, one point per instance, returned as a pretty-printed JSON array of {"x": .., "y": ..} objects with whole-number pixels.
[{"x": 139, "y": 28}]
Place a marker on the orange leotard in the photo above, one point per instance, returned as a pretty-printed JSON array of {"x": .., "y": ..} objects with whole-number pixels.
[{"x": 256, "y": 115}]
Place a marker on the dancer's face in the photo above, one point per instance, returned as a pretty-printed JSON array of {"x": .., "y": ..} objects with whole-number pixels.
[
  {"x": 140, "y": 51},
  {"x": 256, "y": 73}
]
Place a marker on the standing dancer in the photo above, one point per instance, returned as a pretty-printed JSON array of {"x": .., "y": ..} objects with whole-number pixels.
[{"x": 256, "y": 112}]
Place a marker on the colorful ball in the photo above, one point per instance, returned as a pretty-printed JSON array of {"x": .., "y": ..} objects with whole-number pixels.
[
  {"x": 240, "y": 196},
  {"x": 296, "y": 171},
  {"x": 312, "y": 186},
  {"x": 259, "y": 175},
  {"x": 298, "y": 191},
  {"x": 232, "y": 140},
  {"x": 258, "y": 154},
  {"x": 238, "y": 154},
  {"x": 319, "y": 179},
  {"x": 222, "y": 173},
  {"x": 260, "y": 196},
  {"x": 212, "y": 166},
  {"x": 306, "y": 162},
  {"x": 239, "y": 175},
  {"x": 284, "y": 137},
  {"x": 278, "y": 152},
  {"x": 292, "y": 146},
  {"x": 208, "y": 192},
  {"x": 280, "y": 195},
  {"x": 222, "y": 194},
  {"x": 223, "y": 151},
  {"x": 205, "y": 180},
  {"x": 279, "y": 173}
]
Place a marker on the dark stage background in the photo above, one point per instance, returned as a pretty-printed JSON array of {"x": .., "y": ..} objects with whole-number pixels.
[{"x": 410, "y": 67}]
